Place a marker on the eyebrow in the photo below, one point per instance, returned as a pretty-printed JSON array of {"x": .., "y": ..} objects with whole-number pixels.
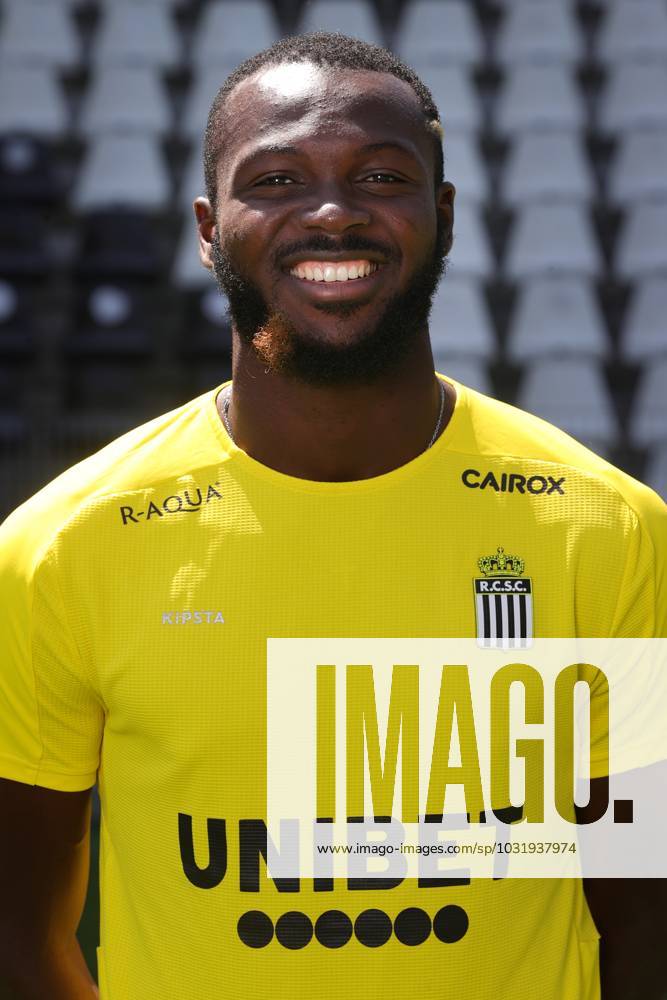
[{"x": 278, "y": 150}]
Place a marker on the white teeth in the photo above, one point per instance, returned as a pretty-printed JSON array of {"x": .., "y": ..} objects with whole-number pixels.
[{"x": 333, "y": 272}]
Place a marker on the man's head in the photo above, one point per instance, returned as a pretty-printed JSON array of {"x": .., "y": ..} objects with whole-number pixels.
[{"x": 323, "y": 150}]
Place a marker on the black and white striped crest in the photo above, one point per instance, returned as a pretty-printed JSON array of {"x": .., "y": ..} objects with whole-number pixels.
[{"x": 504, "y": 609}]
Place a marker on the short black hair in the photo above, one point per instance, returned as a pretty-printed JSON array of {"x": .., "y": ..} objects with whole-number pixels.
[{"x": 324, "y": 48}]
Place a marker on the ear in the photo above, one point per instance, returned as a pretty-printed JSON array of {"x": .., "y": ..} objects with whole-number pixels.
[
  {"x": 445, "y": 207},
  {"x": 205, "y": 230}
]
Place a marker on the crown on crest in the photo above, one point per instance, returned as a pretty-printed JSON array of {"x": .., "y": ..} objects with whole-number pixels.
[{"x": 501, "y": 564}]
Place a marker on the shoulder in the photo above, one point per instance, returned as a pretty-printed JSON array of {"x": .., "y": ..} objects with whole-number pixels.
[
  {"x": 497, "y": 431},
  {"x": 157, "y": 453}
]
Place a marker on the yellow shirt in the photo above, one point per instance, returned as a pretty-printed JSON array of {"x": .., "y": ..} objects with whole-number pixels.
[{"x": 137, "y": 593}]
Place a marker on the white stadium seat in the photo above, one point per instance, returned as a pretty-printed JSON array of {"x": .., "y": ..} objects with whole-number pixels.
[
  {"x": 460, "y": 321},
  {"x": 454, "y": 95},
  {"x": 633, "y": 30},
  {"x": 648, "y": 420},
  {"x": 538, "y": 97},
  {"x": 352, "y": 17},
  {"x": 432, "y": 32},
  {"x": 205, "y": 84},
  {"x": 34, "y": 33},
  {"x": 634, "y": 97},
  {"x": 468, "y": 371},
  {"x": 125, "y": 170},
  {"x": 192, "y": 181},
  {"x": 573, "y": 395},
  {"x": 639, "y": 169},
  {"x": 556, "y": 315},
  {"x": 546, "y": 165},
  {"x": 125, "y": 99},
  {"x": 471, "y": 253},
  {"x": 552, "y": 237},
  {"x": 142, "y": 34},
  {"x": 464, "y": 168},
  {"x": 187, "y": 271},
  {"x": 230, "y": 31},
  {"x": 642, "y": 244},
  {"x": 644, "y": 333},
  {"x": 656, "y": 471},
  {"x": 535, "y": 30},
  {"x": 32, "y": 101}
]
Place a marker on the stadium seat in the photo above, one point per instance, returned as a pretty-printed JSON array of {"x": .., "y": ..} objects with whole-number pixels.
[
  {"x": 126, "y": 170},
  {"x": 118, "y": 244},
  {"x": 648, "y": 421},
  {"x": 644, "y": 332},
  {"x": 454, "y": 95},
  {"x": 545, "y": 165},
  {"x": 656, "y": 471},
  {"x": 471, "y": 252},
  {"x": 573, "y": 395},
  {"x": 125, "y": 99},
  {"x": 17, "y": 308},
  {"x": 206, "y": 83},
  {"x": 538, "y": 32},
  {"x": 552, "y": 237},
  {"x": 29, "y": 171},
  {"x": 38, "y": 34},
  {"x": 556, "y": 315},
  {"x": 639, "y": 169},
  {"x": 32, "y": 101},
  {"x": 471, "y": 372},
  {"x": 635, "y": 30},
  {"x": 24, "y": 243},
  {"x": 633, "y": 98},
  {"x": 460, "y": 323},
  {"x": 352, "y": 17},
  {"x": 230, "y": 31},
  {"x": 187, "y": 271},
  {"x": 111, "y": 320},
  {"x": 141, "y": 34},
  {"x": 108, "y": 390},
  {"x": 465, "y": 168},
  {"x": 538, "y": 97},
  {"x": 642, "y": 244},
  {"x": 434, "y": 32},
  {"x": 192, "y": 182}
]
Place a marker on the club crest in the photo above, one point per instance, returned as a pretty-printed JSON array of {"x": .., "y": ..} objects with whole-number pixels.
[{"x": 503, "y": 602}]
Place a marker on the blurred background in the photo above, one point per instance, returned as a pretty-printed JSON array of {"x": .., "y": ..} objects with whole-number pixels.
[{"x": 555, "y": 116}]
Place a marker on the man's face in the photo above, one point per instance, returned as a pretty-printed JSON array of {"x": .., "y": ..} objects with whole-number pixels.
[{"x": 328, "y": 174}]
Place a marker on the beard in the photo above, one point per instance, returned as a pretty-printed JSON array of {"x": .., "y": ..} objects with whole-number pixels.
[{"x": 283, "y": 347}]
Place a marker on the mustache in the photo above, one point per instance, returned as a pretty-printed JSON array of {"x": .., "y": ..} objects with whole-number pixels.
[{"x": 348, "y": 243}]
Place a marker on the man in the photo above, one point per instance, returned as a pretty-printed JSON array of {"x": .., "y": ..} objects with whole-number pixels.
[{"x": 335, "y": 488}]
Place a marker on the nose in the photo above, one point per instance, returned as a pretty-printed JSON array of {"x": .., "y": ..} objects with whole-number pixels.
[{"x": 334, "y": 211}]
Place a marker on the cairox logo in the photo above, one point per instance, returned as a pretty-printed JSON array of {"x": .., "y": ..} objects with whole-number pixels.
[
  {"x": 190, "y": 500},
  {"x": 512, "y": 482}
]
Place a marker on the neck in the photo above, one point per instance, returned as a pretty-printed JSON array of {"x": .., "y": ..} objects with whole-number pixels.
[{"x": 335, "y": 433}]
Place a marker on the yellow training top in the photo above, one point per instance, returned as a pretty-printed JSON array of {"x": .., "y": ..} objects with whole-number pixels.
[{"x": 137, "y": 593}]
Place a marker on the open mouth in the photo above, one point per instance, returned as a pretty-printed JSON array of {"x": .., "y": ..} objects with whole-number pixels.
[{"x": 329, "y": 272}]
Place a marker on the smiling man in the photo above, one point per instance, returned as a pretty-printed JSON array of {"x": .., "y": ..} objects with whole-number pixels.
[{"x": 336, "y": 487}]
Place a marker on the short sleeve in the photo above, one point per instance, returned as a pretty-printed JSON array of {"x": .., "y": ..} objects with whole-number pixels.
[
  {"x": 51, "y": 720},
  {"x": 640, "y": 613}
]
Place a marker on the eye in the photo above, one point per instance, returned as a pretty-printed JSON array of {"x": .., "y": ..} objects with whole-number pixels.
[
  {"x": 380, "y": 177},
  {"x": 275, "y": 180}
]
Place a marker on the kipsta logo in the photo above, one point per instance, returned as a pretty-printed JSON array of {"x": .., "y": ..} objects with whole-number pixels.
[{"x": 189, "y": 501}]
